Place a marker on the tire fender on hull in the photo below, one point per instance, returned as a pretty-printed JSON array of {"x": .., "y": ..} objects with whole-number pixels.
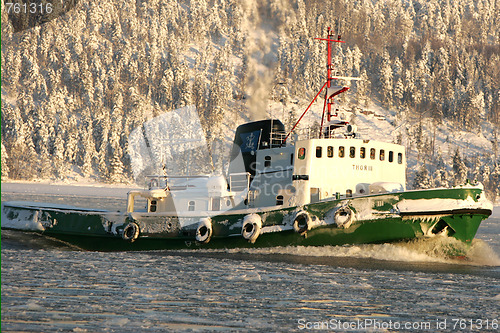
[
  {"x": 131, "y": 232},
  {"x": 302, "y": 222},
  {"x": 252, "y": 225},
  {"x": 344, "y": 216},
  {"x": 204, "y": 231}
]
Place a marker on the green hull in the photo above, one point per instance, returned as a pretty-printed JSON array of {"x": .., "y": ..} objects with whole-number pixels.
[{"x": 379, "y": 218}]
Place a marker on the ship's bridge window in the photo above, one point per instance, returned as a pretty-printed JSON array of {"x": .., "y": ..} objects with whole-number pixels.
[
  {"x": 382, "y": 154},
  {"x": 362, "y": 152},
  {"x": 302, "y": 153},
  {"x": 352, "y": 152},
  {"x": 329, "y": 151},
  {"x": 341, "y": 151},
  {"x": 267, "y": 161},
  {"x": 391, "y": 156},
  {"x": 191, "y": 205},
  {"x": 279, "y": 200},
  {"x": 400, "y": 158},
  {"x": 319, "y": 151},
  {"x": 372, "y": 153}
]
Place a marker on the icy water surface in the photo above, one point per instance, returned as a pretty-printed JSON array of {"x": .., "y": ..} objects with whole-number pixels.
[{"x": 48, "y": 286}]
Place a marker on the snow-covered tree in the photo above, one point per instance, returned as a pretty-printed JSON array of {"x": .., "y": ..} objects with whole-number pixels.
[
  {"x": 422, "y": 179},
  {"x": 459, "y": 168},
  {"x": 116, "y": 168},
  {"x": 494, "y": 183},
  {"x": 5, "y": 167},
  {"x": 386, "y": 84},
  {"x": 362, "y": 89}
]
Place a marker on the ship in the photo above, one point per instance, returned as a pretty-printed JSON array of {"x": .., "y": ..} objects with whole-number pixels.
[{"x": 327, "y": 186}]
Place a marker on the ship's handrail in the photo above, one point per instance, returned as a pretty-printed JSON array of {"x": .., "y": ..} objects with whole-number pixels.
[
  {"x": 162, "y": 181},
  {"x": 313, "y": 133},
  {"x": 237, "y": 181},
  {"x": 277, "y": 139},
  {"x": 178, "y": 177},
  {"x": 307, "y": 133}
]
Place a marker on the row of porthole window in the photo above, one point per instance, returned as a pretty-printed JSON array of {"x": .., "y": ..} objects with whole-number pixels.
[{"x": 330, "y": 152}]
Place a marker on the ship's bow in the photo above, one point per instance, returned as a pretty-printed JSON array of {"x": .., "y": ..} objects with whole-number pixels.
[{"x": 455, "y": 212}]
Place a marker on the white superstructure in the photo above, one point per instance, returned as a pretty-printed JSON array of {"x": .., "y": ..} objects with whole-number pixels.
[{"x": 345, "y": 167}]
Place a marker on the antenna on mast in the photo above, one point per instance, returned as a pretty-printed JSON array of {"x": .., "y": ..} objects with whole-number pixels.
[
  {"x": 339, "y": 29},
  {"x": 331, "y": 90}
]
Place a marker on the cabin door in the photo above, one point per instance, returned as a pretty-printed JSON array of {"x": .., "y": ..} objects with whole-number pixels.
[
  {"x": 215, "y": 203},
  {"x": 314, "y": 194}
]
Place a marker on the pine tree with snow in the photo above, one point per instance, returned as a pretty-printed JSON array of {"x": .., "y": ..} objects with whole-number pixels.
[
  {"x": 5, "y": 167},
  {"x": 183, "y": 88},
  {"x": 413, "y": 96},
  {"x": 495, "y": 179},
  {"x": 419, "y": 137},
  {"x": 485, "y": 176},
  {"x": 71, "y": 141},
  {"x": 198, "y": 14},
  {"x": 459, "y": 168},
  {"x": 422, "y": 179},
  {"x": 59, "y": 165},
  {"x": 22, "y": 160},
  {"x": 116, "y": 169},
  {"x": 494, "y": 145},
  {"x": 439, "y": 168},
  {"x": 362, "y": 89},
  {"x": 441, "y": 178},
  {"x": 475, "y": 169},
  {"x": 398, "y": 92},
  {"x": 86, "y": 146},
  {"x": 386, "y": 80}
]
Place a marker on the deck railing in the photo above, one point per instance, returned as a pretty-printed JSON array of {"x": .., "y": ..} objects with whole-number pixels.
[
  {"x": 157, "y": 181},
  {"x": 239, "y": 181}
]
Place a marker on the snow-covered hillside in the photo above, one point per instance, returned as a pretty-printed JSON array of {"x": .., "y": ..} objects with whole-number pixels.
[{"x": 74, "y": 89}]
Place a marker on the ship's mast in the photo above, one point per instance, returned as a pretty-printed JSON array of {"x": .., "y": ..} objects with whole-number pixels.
[
  {"x": 329, "y": 66},
  {"x": 330, "y": 91}
]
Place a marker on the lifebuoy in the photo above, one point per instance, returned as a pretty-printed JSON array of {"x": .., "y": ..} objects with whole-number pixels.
[
  {"x": 131, "y": 232},
  {"x": 344, "y": 217},
  {"x": 204, "y": 231},
  {"x": 302, "y": 222},
  {"x": 252, "y": 224}
]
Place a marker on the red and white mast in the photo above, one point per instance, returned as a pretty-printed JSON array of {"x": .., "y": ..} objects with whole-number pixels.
[{"x": 331, "y": 90}]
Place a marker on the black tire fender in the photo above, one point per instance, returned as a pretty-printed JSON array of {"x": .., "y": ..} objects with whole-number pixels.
[{"x": 131, "y": 232}]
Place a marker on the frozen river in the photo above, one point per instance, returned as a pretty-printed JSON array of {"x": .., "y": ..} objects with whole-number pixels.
[{"x": 48, "y": 286}]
